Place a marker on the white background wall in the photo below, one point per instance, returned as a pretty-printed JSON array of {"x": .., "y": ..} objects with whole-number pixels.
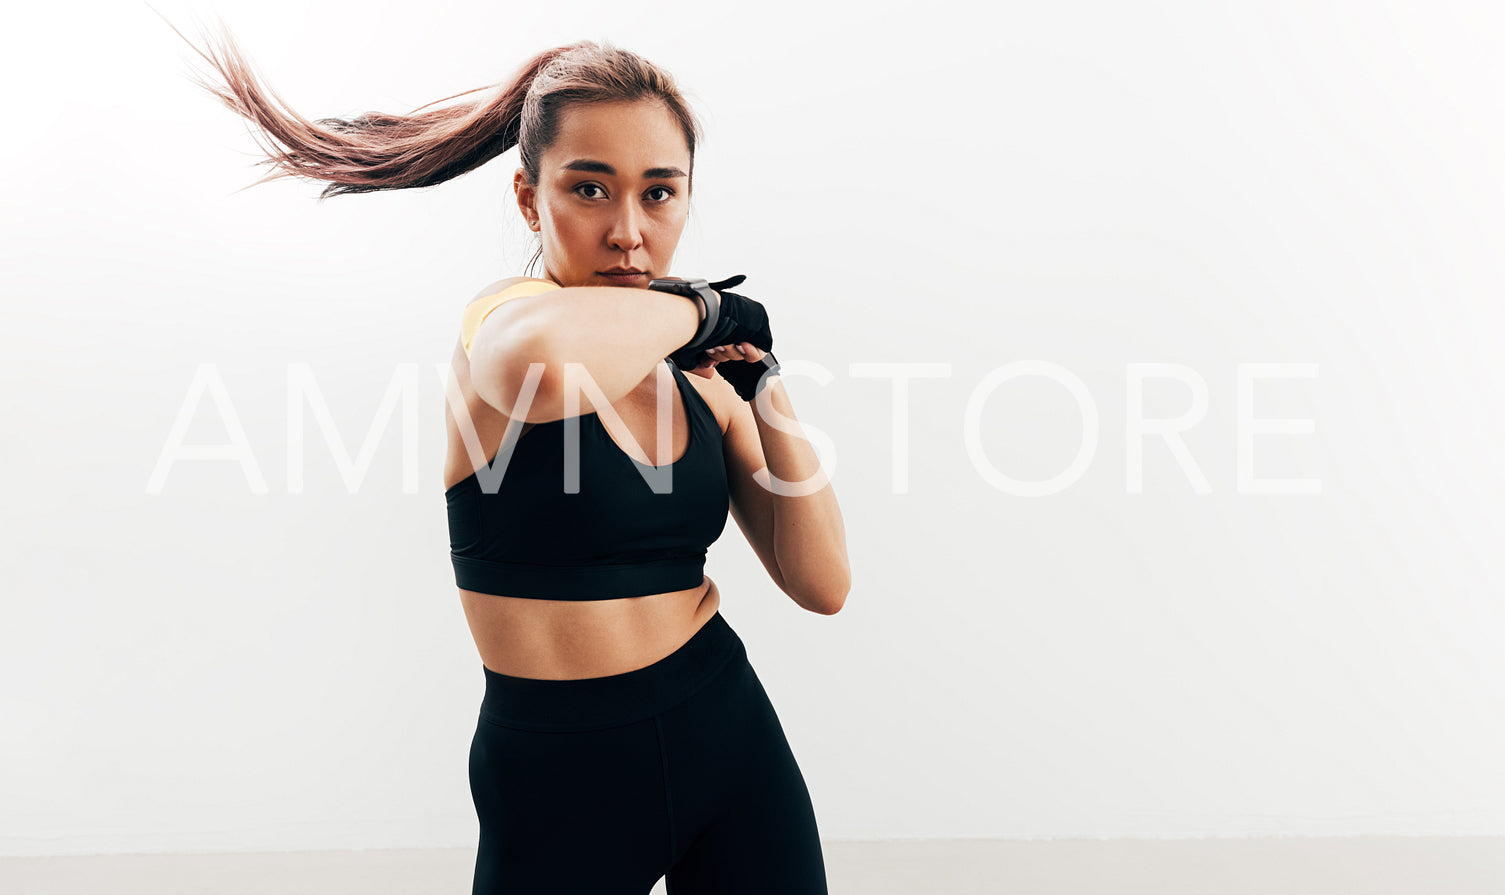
[{"x": 1086, "y": 185}]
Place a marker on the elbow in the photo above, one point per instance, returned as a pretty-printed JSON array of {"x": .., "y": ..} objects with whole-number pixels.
[
  {"x": 827, "y": 601},
  {"x": 826, "y": 593},
  {"x": 515, "y": 375},
  {"x": 837, "y": 598},
  {"x": 834, "y": 602}
]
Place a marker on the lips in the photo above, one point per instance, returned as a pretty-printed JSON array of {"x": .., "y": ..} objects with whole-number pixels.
[{"x": 625, "y": 276}]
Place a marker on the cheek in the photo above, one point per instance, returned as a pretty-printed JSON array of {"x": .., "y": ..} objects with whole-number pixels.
[
  {"x": 671, "y": 227},
  {"x": 569, "y": 233}
]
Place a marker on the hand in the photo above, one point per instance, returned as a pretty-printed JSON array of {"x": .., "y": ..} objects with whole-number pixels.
[
  {"x": 743, "y": 364},
  {"x": 740, "y": 351}
]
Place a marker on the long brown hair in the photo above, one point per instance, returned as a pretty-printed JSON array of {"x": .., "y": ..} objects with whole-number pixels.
[{"x": 380, "y": 151}]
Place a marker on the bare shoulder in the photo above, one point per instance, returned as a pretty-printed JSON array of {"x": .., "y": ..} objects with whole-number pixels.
[
  {"x": 499, "y": 285},
  {"x": 718, "y": 395}
]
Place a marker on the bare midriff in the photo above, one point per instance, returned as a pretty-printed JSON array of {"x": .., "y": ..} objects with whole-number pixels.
[
  {"x": 574, "y": 639},
  {"x": 568, "y": 640}
]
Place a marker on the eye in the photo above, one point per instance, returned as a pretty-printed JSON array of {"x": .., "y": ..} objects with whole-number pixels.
[
  {"x": 591, "y": 186},
  {"x": 668, "y": 193}
]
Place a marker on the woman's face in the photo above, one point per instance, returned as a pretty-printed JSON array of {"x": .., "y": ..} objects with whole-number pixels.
[{"x": 612, "y": 193}]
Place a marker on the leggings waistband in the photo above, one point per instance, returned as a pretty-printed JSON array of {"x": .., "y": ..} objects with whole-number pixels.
[{"x": 597, "y": 702}]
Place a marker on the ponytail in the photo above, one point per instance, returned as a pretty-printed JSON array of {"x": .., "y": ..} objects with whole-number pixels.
[{"x": 375, "y": 151}]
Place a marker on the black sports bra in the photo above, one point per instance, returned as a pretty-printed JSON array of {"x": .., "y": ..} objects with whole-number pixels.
[{"x": 530, "y": 526}]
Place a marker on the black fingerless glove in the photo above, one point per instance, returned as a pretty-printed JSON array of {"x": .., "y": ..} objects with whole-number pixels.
[
  {"x": 749, "y": 377},
  {"x": 741, "y": 320}
]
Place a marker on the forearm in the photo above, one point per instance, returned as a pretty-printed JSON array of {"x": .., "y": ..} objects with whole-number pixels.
[
  {"x": 809, "y": 538},
  {"x": 617, "y": 334}
]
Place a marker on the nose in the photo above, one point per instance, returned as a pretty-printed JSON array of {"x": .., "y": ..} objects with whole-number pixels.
[{"x": 626, "y": 232}]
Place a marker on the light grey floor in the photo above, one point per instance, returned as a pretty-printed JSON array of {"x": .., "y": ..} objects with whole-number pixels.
[{"x": 1295, "y": 866}]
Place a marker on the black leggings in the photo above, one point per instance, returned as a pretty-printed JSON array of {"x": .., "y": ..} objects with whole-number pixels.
[{"x": 605, "y": 785}]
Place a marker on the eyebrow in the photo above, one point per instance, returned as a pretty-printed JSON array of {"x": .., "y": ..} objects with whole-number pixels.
[{"x": 595, "y": 167}]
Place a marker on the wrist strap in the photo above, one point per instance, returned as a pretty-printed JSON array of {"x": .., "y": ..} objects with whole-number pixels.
[{"x": 708, "y": 299}]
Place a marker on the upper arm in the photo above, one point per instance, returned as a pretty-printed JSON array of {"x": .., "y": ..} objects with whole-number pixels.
[
  {"x": 476, "y": 313},
  {"x": 751, "y": 503},
  {"x": 488, "y": 338}
]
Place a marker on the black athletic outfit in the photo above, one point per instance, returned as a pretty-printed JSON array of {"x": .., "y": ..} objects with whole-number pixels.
[{"x": 679, "y": 769}]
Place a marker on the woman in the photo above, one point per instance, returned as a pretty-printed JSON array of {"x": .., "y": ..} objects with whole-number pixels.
[{"x": 623, "y": 735}]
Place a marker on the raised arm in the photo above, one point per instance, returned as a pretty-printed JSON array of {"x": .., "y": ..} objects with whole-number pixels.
[{"x": 618, "y": 333}]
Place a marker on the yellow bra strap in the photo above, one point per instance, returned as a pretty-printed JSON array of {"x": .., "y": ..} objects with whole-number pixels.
[{"x": 477, "y": 310}]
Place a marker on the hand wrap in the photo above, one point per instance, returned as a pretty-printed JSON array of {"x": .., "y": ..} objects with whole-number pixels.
[
  {"x": 741, "y": 320},
  {"x": 748, "y": 377}
]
